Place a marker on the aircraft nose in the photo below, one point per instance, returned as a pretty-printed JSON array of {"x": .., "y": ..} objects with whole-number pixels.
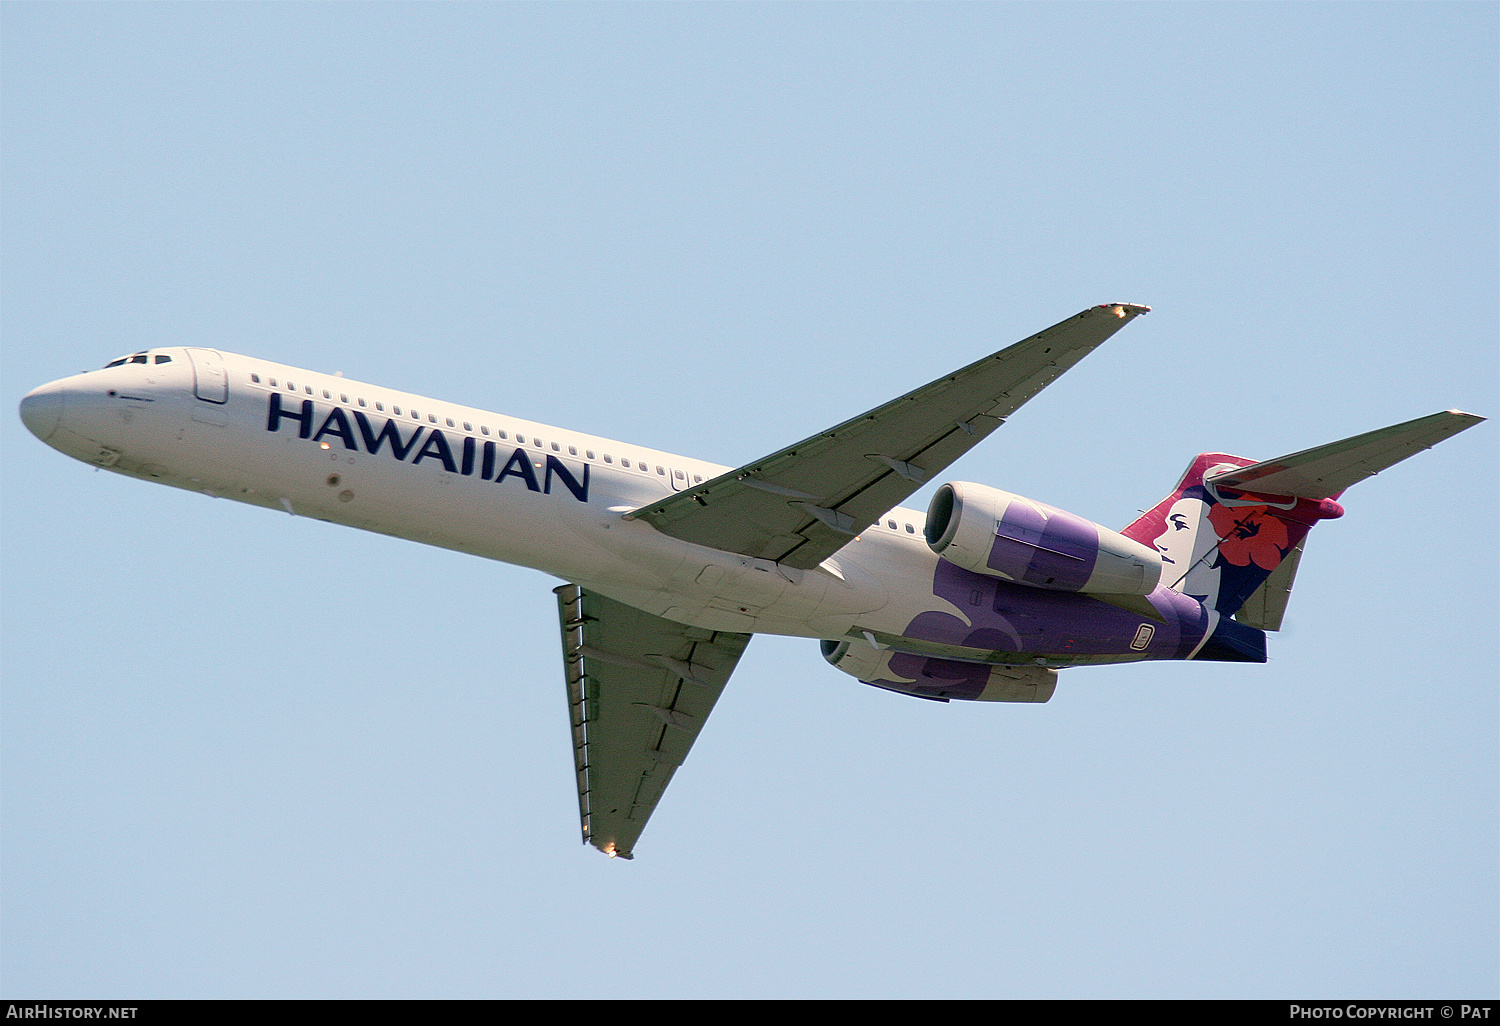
[{"x": 41, "y": 409}]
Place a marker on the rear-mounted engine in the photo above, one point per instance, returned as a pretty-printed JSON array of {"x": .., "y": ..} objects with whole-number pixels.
[
  {"x": 940, "y": 679},
  {"x": 1015, "y": 539}
]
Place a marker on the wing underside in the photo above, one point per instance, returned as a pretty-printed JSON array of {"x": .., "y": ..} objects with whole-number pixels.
[
  {"x": 801, "y": 505},
  {"x": 639, "y": 690}
]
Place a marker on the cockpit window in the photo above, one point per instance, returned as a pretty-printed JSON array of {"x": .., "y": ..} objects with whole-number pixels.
[{"x": 141, "y": 357}]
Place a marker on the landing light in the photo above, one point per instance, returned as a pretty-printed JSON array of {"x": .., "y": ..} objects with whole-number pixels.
[
  {"x": 322, "y": 445},
  {"x": 1119, "y": 311}
]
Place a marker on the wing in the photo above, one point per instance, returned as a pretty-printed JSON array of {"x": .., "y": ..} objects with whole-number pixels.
[
  {"x": 639, "y": 689},
  {"x": 801, "y": 505},
  {"x": 1328, "y": 470}
]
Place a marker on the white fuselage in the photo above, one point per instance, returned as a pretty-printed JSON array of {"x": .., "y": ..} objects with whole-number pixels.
[{"x": 479, "y": 482}]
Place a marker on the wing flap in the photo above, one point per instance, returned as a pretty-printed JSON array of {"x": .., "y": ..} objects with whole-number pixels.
[
  {"x": 800, "y": 505},
  {"x": 640, "y": 688}
]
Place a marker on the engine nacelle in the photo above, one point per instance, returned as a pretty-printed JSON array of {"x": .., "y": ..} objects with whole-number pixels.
[
  {"x": 940, "y": 679},
  {"x": 1003, "y": 535}
]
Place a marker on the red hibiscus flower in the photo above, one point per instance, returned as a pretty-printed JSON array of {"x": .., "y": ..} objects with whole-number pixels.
[{"x": 1249, "y": 534}]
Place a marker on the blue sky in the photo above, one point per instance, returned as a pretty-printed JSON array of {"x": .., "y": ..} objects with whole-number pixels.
[{"x": 243, "y": 754}]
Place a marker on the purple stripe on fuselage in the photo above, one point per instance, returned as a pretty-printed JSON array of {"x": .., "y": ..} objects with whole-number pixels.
[{"x": 1004, "y": 617}]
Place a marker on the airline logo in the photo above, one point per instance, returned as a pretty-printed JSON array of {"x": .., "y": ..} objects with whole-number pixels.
[{"x": 427, "y": 444}]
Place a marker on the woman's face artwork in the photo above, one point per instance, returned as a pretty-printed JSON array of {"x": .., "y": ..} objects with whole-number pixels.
[{"x": 1183, "y": 545}]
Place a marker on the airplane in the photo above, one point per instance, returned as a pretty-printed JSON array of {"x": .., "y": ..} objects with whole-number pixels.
[{"x": 670, "y": 564}]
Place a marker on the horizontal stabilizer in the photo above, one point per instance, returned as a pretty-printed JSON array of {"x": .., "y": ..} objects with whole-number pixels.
[{"x": 1326, "y": 471}]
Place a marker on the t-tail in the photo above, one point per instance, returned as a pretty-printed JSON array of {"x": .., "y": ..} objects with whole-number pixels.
[{"x": 1231, "y": 534}]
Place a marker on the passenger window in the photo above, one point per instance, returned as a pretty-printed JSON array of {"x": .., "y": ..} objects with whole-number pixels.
[
  {"x": 891, "y": 524},
  {"x": 682, "y": 475},
  {"x": 589, "y": 453},
  {"x": 536, "y": 441},
  {"x": 467, "y": 425},
  {"x": 504, "y": 435},
  {"x": 697, "y": 479},
  {"x": 163, "y": 359},
  {"x": 343, "y": 398},
  {"x": 484, "y": 429},
  {"x": 432, "y": 417},
  {"x": 910, "y": 529},
  {"x": 273, "y": 382},
  {"x": 394, "y": 409},
  {"x": 327, "y": 394},
  {"x": 556, "y": 447},
  {"x": 255, "y": 378},
  {"x": 291, "y": 387},
  {"x": 308, "y": 389},
  {"x": 608, "y": 458},
  {"x": 623, "y": 462},
  {"x": 361, "y": 402},
  {"x": 660, "y": 471},
  {"x": 519, "y": 438}
]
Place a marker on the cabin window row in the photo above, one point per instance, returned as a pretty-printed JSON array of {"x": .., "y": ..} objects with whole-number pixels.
[{"x": 484, "y": 429}]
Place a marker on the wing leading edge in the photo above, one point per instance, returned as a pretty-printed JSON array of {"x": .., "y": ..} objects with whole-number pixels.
[
  {"x": 639, "y": 690},
  {"x": 802, "y": 504}
]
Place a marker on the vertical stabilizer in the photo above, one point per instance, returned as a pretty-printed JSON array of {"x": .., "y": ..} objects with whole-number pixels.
[
  {"x": 1231, "y": 547},
  {"x": 1218, "y": 544}
]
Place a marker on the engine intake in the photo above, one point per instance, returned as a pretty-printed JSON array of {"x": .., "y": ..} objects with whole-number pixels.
[{"x": 1016, "y": 539}]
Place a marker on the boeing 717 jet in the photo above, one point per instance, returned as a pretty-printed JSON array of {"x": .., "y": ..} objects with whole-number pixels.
[{"x": 671, "y": 564}]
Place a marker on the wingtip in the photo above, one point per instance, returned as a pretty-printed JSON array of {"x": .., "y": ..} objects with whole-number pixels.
[{"x": 1124, "y": 309}]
